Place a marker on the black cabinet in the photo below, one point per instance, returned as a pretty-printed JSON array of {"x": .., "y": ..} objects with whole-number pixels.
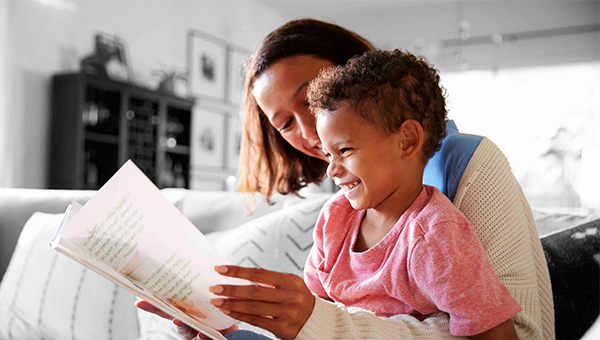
[{"x": 99, "y": 123}]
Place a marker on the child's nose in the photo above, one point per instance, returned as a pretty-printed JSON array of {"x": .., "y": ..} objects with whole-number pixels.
[{"x": 334, "y": 168}]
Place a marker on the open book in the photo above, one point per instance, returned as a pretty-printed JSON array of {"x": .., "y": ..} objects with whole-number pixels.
[{"x": 129, "y": 233}]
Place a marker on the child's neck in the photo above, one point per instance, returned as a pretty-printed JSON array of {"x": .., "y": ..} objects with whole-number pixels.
[{"x": 378, "y": 221}]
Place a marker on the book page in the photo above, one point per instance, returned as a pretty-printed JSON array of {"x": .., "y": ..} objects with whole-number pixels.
[{"x": 130, "y": 233}]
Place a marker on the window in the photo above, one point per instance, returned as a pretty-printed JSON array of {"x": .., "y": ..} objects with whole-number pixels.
[{"x": 546, "y": 120}]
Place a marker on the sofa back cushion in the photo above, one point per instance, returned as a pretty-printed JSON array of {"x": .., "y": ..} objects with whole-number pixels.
[
  {"x": 18, "y": 204},
  {"x": 219, "y": 210}
]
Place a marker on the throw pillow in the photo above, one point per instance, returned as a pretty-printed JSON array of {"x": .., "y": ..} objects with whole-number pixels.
[
  {"x": 278, "y": 241},
  {"x": 573, "y": 257},
  {"x": 45, "y": 294},
  {"x": 153, "y": 327}
]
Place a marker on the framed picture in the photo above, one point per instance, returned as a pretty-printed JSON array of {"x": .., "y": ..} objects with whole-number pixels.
[
  {"x": 233, "y": 142},
  {"x": 206, "y": 62},
  {"x": 208, "y": 139},
  {"x": 237, "y": 58}
]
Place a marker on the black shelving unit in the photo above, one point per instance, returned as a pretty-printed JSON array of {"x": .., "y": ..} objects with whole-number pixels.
[{"x": 99, "y": 123}]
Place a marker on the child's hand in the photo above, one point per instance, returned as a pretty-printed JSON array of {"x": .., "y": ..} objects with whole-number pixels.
[
  {"x": 281, "y": 306},
  {"x": 504, "y": 331},
  {"x": 184, "y": 330}
]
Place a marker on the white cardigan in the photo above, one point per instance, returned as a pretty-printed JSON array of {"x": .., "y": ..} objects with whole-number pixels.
[{"x": 492, "y": 200}]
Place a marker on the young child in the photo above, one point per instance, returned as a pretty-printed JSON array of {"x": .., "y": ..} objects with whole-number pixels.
[{"x": 388, "y": 243}]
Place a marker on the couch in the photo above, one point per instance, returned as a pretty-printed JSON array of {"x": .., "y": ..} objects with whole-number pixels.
[{"x": 46, "y": 295}]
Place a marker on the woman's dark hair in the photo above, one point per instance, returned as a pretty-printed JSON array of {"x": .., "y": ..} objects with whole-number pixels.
[{"x": 268, "y": 162}]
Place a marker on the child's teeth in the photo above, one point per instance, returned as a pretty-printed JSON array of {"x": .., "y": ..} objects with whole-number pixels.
[{"x": 351, "y": 185}]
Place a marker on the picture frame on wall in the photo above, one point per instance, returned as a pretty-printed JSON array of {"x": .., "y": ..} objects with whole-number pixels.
[
  {"x": 237, "y": 58},
  {"x": 233, "y": 141},
  {"x": 207, "y": 65},
  {"x": 208, "y": 139}
]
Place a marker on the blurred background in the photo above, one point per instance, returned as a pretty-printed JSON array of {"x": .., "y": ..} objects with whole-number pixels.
[{"x": 86, "y": 84}]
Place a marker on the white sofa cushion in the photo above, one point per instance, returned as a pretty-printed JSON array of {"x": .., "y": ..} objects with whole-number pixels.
[{"x": 45, "y": 294}]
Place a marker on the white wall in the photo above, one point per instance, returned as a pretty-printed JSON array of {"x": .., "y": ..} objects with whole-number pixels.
[
  {"x": 43, "y": 37},
  {"x": 424, "y": 26},
  {"x": 5, "y": 167}
]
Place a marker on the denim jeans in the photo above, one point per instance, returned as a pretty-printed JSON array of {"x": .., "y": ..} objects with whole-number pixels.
[{"x": 245, "y": 335}]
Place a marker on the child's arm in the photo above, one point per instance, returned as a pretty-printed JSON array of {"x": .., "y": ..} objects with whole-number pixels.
[{"x": 504, "y": 331}]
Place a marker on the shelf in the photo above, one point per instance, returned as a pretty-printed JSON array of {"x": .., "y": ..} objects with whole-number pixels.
[
  {"x": 178, "y": 149},
  {"x": 102, "y": 138},
  {"x": 98, "y": 123}
]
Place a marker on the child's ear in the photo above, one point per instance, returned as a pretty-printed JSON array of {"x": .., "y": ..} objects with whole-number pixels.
[{"x": 411, "y": 138}]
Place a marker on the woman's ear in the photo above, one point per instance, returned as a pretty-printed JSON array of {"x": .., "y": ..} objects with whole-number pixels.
[{"x": 411, "y": 138}]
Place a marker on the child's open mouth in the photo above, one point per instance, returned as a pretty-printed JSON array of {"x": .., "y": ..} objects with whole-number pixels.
[{"x": 349, "y": 186}]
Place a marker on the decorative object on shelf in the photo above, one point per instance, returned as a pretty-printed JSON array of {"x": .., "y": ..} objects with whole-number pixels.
[
  {"x": 172, "y": 81},
  {"x": 90, "y": 170},
  {"x": 208, "y": 139},
  {"x": 174, "y": 129},
  {"x": 95, "y": 114},
  {"x": 109, "y": 59},
  {"x": 206, "y": 62},
  {"x": 237, "y": 58}
]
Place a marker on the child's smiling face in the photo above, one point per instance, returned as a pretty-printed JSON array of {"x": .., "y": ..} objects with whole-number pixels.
[{"x": 365, "y": 162}]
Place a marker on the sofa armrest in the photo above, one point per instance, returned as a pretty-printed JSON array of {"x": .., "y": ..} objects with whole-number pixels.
[{"x": 17, "y": 206}]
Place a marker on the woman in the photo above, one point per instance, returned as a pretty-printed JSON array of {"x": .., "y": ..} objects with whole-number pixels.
[{"x": 281, "y": 152}]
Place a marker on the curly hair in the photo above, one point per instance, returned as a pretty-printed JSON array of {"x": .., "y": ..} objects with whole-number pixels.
[{"x": 385, "y": 88}]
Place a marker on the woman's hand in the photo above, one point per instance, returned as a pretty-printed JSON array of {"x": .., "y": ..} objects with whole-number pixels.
[
  {"x": 184, "y": 330},
  {"x": 281, "y": 304}
]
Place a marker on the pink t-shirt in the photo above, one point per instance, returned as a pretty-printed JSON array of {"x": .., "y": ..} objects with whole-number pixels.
[{"x": 430, "y": 261}]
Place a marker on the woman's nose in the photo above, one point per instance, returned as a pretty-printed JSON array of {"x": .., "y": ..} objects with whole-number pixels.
[{"x": 308, "y": 126}]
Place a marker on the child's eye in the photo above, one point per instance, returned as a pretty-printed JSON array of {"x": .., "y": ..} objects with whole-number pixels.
[{"x": 344, "y": 150}]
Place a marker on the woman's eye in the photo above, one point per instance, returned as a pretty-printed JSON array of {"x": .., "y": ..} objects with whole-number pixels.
[{"x": 286, "y": 125}]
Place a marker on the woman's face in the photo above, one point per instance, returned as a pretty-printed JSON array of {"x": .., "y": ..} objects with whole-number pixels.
[{"x": 280, "y": 92}]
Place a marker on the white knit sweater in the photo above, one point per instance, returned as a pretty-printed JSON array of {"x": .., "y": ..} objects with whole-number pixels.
[{"x": 492, "y": 200}]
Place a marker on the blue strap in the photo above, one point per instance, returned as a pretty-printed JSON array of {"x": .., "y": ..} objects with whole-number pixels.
[{"x": 446, "y": 167}]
